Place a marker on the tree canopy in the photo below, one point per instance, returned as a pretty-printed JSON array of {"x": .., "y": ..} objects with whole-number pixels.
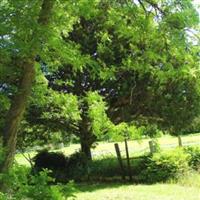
[{"x": 98, "y": 63}]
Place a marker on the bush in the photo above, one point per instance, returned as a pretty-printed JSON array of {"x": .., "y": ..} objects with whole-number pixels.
[
  {"x": 62, "y": 168},
  {"x": 166, "y": 165},
  {"x": 76, "y": 159},
  {"x": 138, "y": 165},
  {"x": 54, "y": 161},
  {"x": 49, "y": 160},
  {"x": 77, "y": 166},
  {"x": 159, "y": 167},
  {"x": 194, "y": 160},
  {"x": 107, "y": 168},
  {"x": 21, "y": 185},
  {"x": 101, "y": 168}
]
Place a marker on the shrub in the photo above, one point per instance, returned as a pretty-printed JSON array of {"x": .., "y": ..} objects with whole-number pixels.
[
  {"x": 138, "y": 165},
  {"x": 166, "y": 165},
  {"x": 77, "y": 166},
  {"x": 159, "y": 167},
  {"x": 62, "y": 168},
  {"x": 49, "y": 160},
  {"x": 77, "y": 159},
  {"x": 54, "y": 161},
  {"x": 194, "y": 160},
  {"x": 107, "y": 167},
  {"x": 21, "y": 185}
]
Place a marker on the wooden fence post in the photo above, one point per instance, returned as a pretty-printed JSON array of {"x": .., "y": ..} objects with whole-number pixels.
[
  {"x": 120, "y": 160},
  {"x": 128, "y": 160},
  {"x": 152, "y": 147}
]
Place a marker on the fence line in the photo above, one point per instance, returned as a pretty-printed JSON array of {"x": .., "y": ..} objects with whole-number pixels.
[{"x": 107, "y": 153}]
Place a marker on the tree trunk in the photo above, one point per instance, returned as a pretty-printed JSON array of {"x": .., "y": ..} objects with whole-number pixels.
[
  {"x": 86, "y": 148},
  {"x": 87, "y": 138},
  {"x": 15, "y": 113},
  {"x": 18, "y": 104}
]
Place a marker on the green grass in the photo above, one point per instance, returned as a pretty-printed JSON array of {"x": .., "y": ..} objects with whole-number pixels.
[
  {"x": 192, "y": 179},
  {"x": 137, "y": 192},
  {"x": 186, "y": 188}
]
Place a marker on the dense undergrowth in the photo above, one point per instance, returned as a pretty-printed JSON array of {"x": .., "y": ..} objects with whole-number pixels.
[
  {"x": 159, "y": 167},
  {"x": 180, "y": 165},
  {"x": 19, "y": 184}
]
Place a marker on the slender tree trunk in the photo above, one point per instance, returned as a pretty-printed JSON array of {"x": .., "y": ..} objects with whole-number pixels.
[
  {"x": 15, "y": 113},
  {"x": 19, "y": 102}
]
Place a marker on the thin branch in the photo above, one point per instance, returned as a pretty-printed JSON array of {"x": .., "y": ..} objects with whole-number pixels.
[
  {"x": 155, "y": 6},
  {"x": 28, "y": 157},
  {"x": 141, "y": 3}
]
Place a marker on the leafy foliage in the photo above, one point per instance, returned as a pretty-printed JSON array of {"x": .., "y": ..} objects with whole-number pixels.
[
  {"x": 164, "y": 166},
  {"x": 62, "y": 168},
  {"x": 102, "y": 68},
  {"x": 194, "y": 160},
  {"x": 134, "y": 61},
  {"x": 21, "y": 185}
]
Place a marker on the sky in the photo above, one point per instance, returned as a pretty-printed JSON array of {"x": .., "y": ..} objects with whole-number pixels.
[{"x": 197, "y": 5}]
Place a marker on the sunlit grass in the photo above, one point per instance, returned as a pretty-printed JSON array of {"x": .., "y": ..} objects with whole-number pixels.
[
  {"x": 192, "y": 179},
  {"x": 137, "y": 192}
]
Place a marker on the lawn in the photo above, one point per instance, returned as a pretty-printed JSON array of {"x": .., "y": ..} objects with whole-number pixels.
[
  {"x": 137, "y": 192},
  {"x": 188, "y": 188}
]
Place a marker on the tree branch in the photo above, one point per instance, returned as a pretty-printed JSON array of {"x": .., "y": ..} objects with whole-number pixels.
[
  {"x": 141, "y": 3},
  {"x": 155, "y": 6}
]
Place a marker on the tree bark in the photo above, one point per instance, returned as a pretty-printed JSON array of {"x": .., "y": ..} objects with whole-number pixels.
[
  {"x": 85, "y": 136},
  {"x": 15, "y": 113},
  {"x": 86, "y": 148},
  {"x": 19, "y": 101}
]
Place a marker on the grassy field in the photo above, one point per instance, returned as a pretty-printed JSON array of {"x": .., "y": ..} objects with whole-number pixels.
[
  {"x": 135, "y": 147},
  {"x": 188, "y": 188},
  {"x": 137, "y": 192}
]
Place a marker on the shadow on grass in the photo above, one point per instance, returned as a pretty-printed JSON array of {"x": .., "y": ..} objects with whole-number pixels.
[{"x": 90, "y": 187}]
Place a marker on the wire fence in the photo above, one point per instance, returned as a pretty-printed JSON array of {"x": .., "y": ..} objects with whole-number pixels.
[{"x": 110, "y": 153}]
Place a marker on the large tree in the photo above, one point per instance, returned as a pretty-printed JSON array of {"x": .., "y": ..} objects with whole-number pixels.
[
  {"x": 143, "y": 60},
  {"x": 139, "y": 56}
]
